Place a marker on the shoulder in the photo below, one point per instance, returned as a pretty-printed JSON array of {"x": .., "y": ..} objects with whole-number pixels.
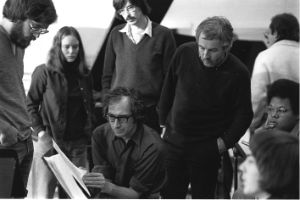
[
  {"x": 101, "y": 132},
  {"x": 190, "y": 46},
  {"x": 237, "y": 65},
  {"x": 117, "y": 29},
  {"x": 151, "y": 140},
  {"x": 160, "y": 28},
  {"x": 40, "y": 70},
  {"x": 189, "y": 49}
]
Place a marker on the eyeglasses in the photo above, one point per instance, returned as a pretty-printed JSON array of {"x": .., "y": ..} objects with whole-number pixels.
[
  {"x": 280, "y": 110},
  {"x": 36, "y": 29},
  {"x": 121, "y": 118},
  {"x": 129, "y": 9}
]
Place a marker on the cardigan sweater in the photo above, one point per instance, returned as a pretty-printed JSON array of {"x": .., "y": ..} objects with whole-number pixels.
[
  {"x": 201, "y": 103},
  {"x": 14, "y": 120},
  {"x": 141, "y": 66}
]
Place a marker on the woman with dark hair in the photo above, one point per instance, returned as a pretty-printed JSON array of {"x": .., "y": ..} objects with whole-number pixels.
[
  {"x": 60, "y": 106},
  {"x": 282, "y": 112},
  {"x": 272, "y": 169}
]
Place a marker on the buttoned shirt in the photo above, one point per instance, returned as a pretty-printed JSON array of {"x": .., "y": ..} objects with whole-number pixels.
[
  {"x": 138, "y": 36},
  {"x": 138, "y": 164}
]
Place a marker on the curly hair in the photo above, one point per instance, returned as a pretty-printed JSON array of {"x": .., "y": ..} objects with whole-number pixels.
[
  {"x": 56, "y": 58},
  {"x": 41, "y": 11},
  {"x": 285, "y": 89},
  {"x": 136, "y": 103},
  {"x": 216, "y": 28},
  {"x": 277, "y": 158}
]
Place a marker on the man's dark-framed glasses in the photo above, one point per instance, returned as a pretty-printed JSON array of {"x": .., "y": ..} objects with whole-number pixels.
[
  {"x": 129, "y": 9},
  {"x": 36, "y": 29},
  {"x": 121, "y": 118}
]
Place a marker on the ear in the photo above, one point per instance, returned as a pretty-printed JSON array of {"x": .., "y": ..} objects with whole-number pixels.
[{"x": 276, "y": 35}]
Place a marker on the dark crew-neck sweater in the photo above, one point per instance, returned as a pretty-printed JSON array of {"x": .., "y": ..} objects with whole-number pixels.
[
  {"x": 202, "y": 103},
  {"x": 141, "y": 66}
]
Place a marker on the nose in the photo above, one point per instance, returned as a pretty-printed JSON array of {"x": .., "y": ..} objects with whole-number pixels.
[
  {"x": 205, "y": 53},
  {"x": 241, "y": 167},
  {"x": 116, "y": 123},
  {"x": 36, "y": 35},
  {"x": 274, "y": 114}
]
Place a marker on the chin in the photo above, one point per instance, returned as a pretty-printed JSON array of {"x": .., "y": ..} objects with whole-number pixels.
[{"x": 70, "y": 60}]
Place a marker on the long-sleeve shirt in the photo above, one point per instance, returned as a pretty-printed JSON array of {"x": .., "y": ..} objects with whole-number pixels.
[
  {"x": 14, "y": 119},
  {"x": 279, "y": 61},
  {"x": 141, "y": 66},
  {"x": 138, "y": 164},
  {"x": 201, "y": 103}
]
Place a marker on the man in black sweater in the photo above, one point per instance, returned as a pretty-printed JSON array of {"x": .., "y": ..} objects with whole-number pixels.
[{"x": 205, "y": 107}]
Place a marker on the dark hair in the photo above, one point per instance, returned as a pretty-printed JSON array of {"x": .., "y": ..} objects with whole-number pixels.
[
  {"x": 142, "y": 4},
  {"x": 285, "y": 89},
  {"x": 216, "y": 28},
  {"x": 277, "y": 158},
  {"x": 41, "y": 11},
  {"x": 286, "y": 26},
  {"x": 136, "y": 103},
  {"x": 56, "y": 58}
]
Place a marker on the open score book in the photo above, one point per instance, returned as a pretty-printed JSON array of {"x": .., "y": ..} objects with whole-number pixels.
[{"x": 68, "y": 175}]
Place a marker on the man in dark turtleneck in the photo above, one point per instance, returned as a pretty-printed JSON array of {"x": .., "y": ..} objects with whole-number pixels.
[{"x": 205, "y": 107}]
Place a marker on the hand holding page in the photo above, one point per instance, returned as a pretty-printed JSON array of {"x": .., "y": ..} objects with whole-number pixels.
[{"x": 68, "y": 175}]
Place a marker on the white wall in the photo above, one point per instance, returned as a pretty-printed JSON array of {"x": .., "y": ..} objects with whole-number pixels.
[
  {"x": 248, "y": 17},
  {"x": 92, "y": 18}
]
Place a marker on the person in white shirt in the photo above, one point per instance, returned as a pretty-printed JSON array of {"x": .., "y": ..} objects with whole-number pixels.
[{"x": 279, "y": 61}]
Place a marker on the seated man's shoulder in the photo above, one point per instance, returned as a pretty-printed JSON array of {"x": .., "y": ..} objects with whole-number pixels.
[
  {"x": 151, "y": 138},
  {"x": 102, "y": 130}
]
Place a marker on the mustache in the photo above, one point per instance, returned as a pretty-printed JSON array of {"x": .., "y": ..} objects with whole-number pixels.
[{"x": 129, "y": 18}]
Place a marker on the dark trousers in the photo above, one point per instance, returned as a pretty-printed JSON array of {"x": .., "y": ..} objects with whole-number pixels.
[
  {"x": 24, "y": 150},
  {"x": 196, "y": 164}
]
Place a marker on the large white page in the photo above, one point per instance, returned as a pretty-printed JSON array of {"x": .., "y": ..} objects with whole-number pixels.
[{"x": 66, "y": 173}]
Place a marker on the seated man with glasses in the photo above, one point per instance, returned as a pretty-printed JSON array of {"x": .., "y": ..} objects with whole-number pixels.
[
  {"x": 128, "y": 156},
  {"x": 283, "y": 107}
]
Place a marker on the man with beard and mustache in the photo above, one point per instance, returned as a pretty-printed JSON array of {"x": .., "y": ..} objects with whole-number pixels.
[
  {"x": 137, "y": 55},
  {"x": 206, "y": 108},
  {"x": 23, "y": 21}
]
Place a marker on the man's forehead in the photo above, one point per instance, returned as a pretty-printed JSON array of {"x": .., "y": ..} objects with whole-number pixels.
[
  {"x": 119, "y": 105},
  {"x": 38, "y": 24}
]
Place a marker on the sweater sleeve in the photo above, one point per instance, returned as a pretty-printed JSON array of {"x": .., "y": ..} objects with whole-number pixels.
[
  {"x": 109, "y": 64},
  {"x": 35, "y": 97},
  {"x": 170, "y": 47},
  {"x": 243, "y": 111},
  {"x": 168, "y": 91},
  {"x": 259, "y": 82}
]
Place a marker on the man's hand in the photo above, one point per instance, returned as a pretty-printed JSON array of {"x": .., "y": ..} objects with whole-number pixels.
[
  {"x": 8, "y": 139},
  {"x": 97, "y": 180},
  {"x": 221, "y": 145},
  {"x": 163, "y": 130}
]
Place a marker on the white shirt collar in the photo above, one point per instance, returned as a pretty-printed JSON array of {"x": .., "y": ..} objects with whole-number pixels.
[{"x": 148, "y": 29}]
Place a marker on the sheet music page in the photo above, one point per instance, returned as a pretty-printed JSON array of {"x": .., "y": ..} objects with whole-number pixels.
[
  {"x": 64, "y": 176},
  {"x": 69, "y": 176},
  {"x": 77, "y": 173}
]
